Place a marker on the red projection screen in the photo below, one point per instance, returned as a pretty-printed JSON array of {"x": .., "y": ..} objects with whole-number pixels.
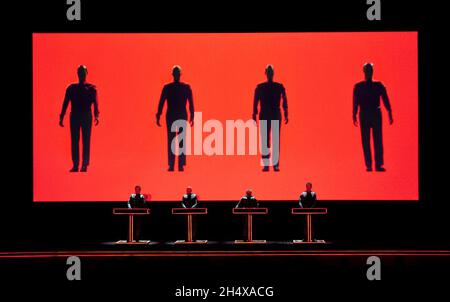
[{"x": 320, "y": 144}]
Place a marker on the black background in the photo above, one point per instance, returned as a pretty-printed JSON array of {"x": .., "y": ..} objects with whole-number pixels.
[{"x": 356, "y": 225}]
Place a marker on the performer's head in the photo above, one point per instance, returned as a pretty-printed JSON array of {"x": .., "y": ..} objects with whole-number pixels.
[
  {"x": 269, "y": 72},
  {"x": 176, "y": 73},
  {"x": 308, "y": 187},
  {"x": 368, "y": 71},
  {"x": 188, "y": 190},
  {"x": 82, "y": 73},
  {"x": 249, "y": 192},
  {"x": 137, "y": 189}
]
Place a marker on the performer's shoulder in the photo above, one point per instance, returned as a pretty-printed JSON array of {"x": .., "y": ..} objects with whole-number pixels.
[
  {"x": 379, "y": 84},
  {"x": 91, "y": 86},
  {"x": 279, "y": 84},
  {"x": 185, "y": 85},
  {"x": 360, "y": 84}
]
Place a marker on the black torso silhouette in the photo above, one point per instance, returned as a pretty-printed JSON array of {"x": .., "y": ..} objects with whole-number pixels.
[
  {"x": 248, "y": 202},
  {"x": 189, "y": 200},
  {"x": 308, "y": 199},
  {"x": 269, "y": 95},
  {"x": 137, "y": 201},
  {"x": 177, "y": 95}
]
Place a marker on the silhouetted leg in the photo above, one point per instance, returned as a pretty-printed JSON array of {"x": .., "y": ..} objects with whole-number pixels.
[
  {"x": 170, "y": 136},
  {"x": 75, "y": 127},
  {"x": 245, "y": 227},
  {"x": 276, "y": 143},
  {"x": 86, "y": 128},
  {"x": 181, "y": 143},
  {"x": 365, "y": 139},
  {"x": 265, "y": 141},
  {"x": 137, "y": 227},
  {"x": 378, "y": 140}
]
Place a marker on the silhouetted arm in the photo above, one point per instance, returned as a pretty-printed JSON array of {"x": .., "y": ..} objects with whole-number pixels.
[
  {"x": 191, "y": 104},
  {"x": 162, "y": 99},
  {"x": 387, "y": 103},
  {"x": 255, "y": 103},
  {"x": 238, "y": 204},
  {"x": 285, "y": 104},
  {"x": 385, "y": 98},
  {"x": 183, "y": 202},
  {"x": 195, "y": 201},
  {"x": 355, "y": 104},
  {"x": 129, "y": 203},
  {"x": 65, "y": 103},
  {"x": 95, "y": 101}
]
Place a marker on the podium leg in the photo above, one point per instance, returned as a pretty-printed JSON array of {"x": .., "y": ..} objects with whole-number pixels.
[
  {"x": 249, "y": 228},
  {"x": 189, "y": 228},
  {"x": 309, "y": 232},
  {"x": 130, "y": 228},
  {"x": 250, "y": 232},
  {"x": 308, "y": 228},
  {"x": 190, "y": 237}
]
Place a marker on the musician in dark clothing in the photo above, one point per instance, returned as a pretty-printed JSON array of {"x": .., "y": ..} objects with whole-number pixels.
[
  {"x": 247, "y": 201},
  {"x": 366, "y": 99},
  {"x": 189, "y": 199},
  {"x": 308, "y": 198},
  {"x": 268, "y": 96},
  {"x": 177, "y": 95},
  {"x": 81, "y": 96},
  {"x": 137, "y": 200}
]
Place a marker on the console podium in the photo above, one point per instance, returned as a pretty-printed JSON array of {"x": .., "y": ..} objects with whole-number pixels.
[
  {"x": 308, "y": 212},
  {"x": 250, "y": 212},
  {"x": 188, "y": 212},
  {"x": 131, "y": 212}
]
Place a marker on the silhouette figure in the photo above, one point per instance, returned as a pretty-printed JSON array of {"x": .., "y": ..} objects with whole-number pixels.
[
  {"x": 137, "y": 200},
  {"x": 247, "y": 201},
  {"x": 177, "y": 95},
  {"x": 268, "y": 95},
  {"x": 366, "y": 98},
  {"x": 308, "y": 198},
  {"x": 81, "y": 96}
]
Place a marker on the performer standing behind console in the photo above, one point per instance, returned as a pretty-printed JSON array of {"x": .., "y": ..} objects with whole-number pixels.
[
  {"x": 366, "y": 98},
  {"x": 269, "y": 94},
  {"x": 248, "y": 201},
  {"x": 308, "y": 198},
  {"x": 81, "y": 96},
  {"x": 177, "y": 95},
  {"x": 189, "y": 199},
  {"x": 137, "y": 200}
]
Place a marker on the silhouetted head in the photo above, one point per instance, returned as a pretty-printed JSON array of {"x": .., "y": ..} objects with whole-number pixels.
[
  {"x": 368, "y": 71},
  {"x": 308, "y": 187},
  {"x": 137, "y": 189},
  {"x": 269, "y": 73},
  {"x": 82, "y": 73},
  {"x": 189, "y": 190},
  {"x": 176, "y": 73},
  {"x": 249, "y": 192}
]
